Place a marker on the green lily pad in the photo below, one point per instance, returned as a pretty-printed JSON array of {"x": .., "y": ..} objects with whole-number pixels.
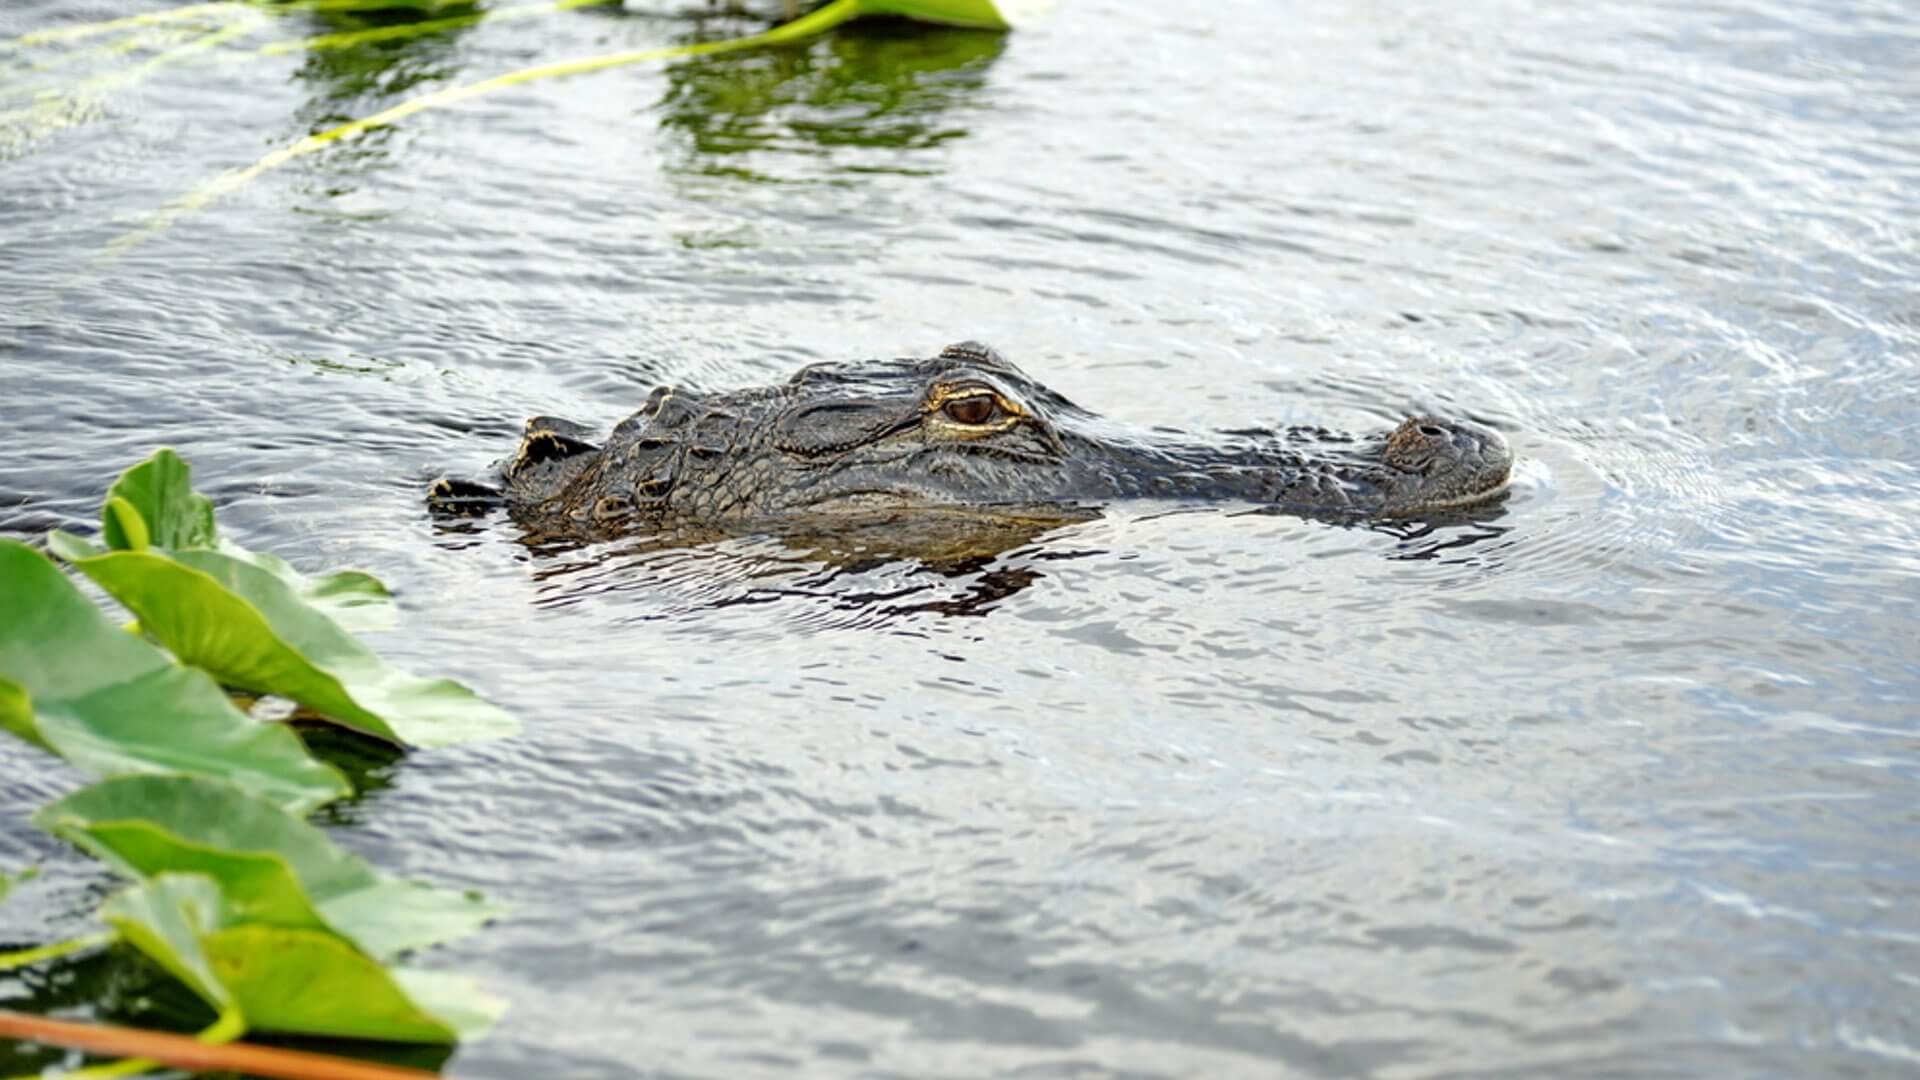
[
  {"x": 111, "y": 704},
  {"x": 164, "y": 918},
  {"x": 290, "y": 979},
  {"x": 154, "y": 504},
  {"x": 249, "y": 629},
  {"x": 978, "y": 14},
  {"x": 271, "y": 867}
]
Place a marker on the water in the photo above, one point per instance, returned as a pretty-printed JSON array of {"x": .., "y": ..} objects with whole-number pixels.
[{"x": 1618, "y": 779}]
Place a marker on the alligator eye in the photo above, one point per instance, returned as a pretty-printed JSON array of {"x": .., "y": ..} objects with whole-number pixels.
[{"x": 972, "y": 411}]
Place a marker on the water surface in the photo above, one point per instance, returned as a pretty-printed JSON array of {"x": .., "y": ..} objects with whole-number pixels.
[{"x": 1618, "y": 778}]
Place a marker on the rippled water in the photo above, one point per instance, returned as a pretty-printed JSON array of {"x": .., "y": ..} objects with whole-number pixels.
[{"x": 1619, "y": 778}]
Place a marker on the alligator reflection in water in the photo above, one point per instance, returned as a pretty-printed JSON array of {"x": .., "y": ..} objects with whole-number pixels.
[
  {"x": 875, "y": 85},
  {"x": 822, "y": 583},
  {"x": 820, "y": 588}
]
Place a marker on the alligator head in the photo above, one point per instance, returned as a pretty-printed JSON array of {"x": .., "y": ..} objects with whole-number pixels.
[{"x": 964, "y": 432}]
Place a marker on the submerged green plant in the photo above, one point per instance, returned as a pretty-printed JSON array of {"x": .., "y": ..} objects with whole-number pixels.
[
  {"x": 346, "y": 39},
  {"x": 975, "y": 14},
  {"x": 257, "y": 911},
  {"x": 219, "y": 9},
  {"x": 81, "y": 31},
  {"x": 8, "y": 881},
  {"x": 52, "y": 109}
]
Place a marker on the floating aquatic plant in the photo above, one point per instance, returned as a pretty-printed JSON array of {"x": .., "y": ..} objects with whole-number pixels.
[
  {"x": 975, "y": 14},
  {"x": 252, "y": 622},
  {"x": 238, "y": 19},
  {"x": 237, "y": 897},
  {"x": 73, "y": 683},
  {"x": 271, "y": 866},
  {"x": 153, "y": 503}
]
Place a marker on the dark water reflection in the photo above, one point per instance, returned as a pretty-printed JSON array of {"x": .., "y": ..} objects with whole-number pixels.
[
  {"x": 1616, "y": 777},
  {"x": 880, "y": 85}
]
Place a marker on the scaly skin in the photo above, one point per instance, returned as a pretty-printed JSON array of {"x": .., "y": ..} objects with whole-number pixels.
[{"x": 965, "y": 432}]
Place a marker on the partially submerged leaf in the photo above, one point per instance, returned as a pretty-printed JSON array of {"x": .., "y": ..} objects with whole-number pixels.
[
  {"x": 165, "y": 919},
  {"x": 123, "y": 526},
  {"x": 245, "y": 625},
  {"x": 314, "y": 983},
  {"x": 289, "y": 979},
  {"x": 977, "y": 14},
  {"x": 154, "y": 504},
  {"x": 271, "y": 867},
  {"x": 111, "y": 704},
  {"x": 157, "y": 499},
  {"x": 357, "y": 601}
]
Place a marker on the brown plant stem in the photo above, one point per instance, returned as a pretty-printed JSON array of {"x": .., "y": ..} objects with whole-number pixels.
[{"x": 185, "y": 1052}]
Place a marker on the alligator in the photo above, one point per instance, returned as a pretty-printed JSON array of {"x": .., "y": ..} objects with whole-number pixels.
[{"x": 962, "y": 433}]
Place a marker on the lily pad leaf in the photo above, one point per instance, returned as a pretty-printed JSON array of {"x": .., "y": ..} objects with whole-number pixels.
[
  {"x": 111, "y": 704},
  {"x": 248, "y": 628},
  {"x": 154, "y": 504},
  {"x": 289, "y": 979},
  {"x": 165, "y": 919},
  {"x": 271, "y": 867},
  {"x": 357, "y": 601},
  {"x": 977, "y": 14},
  {"x": 314, "y": 983}
]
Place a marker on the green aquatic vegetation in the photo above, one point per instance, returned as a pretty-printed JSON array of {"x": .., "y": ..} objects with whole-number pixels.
[
  {"x": 250, "y": 630},
  {"x": 254, "y": 623},
  {"x": 242, "y": 18},
  {"x": 142, "y": 40},
  {"x": 256, "y": 910},
  {"x": 44, "y": 953},
  {"x": 271, "y": 866},
  {"x": 221, "y": 9},
  {"x": 976, "y": 14},
  {"x": 81, "y": 31},
  {"x": 346, "y": 39},
  {"x": 55, "y": 110},
  {"x": 185, "y": 34},
  {"x": 154, "y": 504},
  {"x": 9, "y": 880},
  {"x": 296, "y": 979},
  {"x": 111, "y": 704}
]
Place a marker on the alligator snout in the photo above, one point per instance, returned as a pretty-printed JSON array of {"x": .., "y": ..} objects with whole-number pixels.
[{"x": 1447, "y": 462}]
